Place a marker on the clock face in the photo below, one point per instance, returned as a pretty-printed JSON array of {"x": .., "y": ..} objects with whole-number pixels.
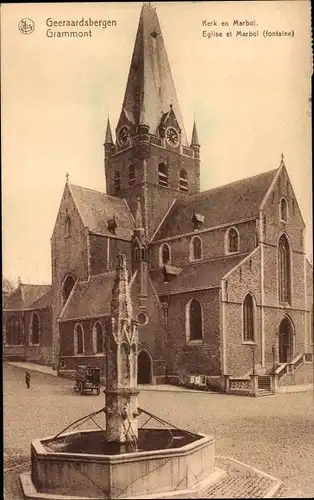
[
  {"x": 172, "y": 136},
  {"x": 124, "y": 136}
]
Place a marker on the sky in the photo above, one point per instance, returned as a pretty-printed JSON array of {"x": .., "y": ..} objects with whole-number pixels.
[{"x": 250, "y": 97}]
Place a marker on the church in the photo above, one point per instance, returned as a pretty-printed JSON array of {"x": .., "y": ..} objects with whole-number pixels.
[{"x": 214, "y": 275}]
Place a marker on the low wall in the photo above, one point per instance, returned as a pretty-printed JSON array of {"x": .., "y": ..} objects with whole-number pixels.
[
  {"x": 13, "y": 353},
  {"x": 38, "y": 354}
]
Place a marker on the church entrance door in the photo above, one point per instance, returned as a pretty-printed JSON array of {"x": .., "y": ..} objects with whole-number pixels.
[
  {"x": 144, "y": 369},
  {"x": 285, "y": 341}
]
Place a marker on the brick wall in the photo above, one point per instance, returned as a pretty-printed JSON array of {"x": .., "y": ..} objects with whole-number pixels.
[
  {"x": 309, "y": 297},
  {"x": 244, "y": 279},
  {"x": 146, "y": 159},
  {"x": 68, "y": 255},
  {"x": 153, "y": 155},
  {"x": 213, "y": 244},
  {"x": 67, "y": 353},
  {"x": 152, "y": 335},
  {"x": 239, "y": 356},
  {"x": 41, "y": 353},
  {"x": 273, "y": 227},
  {"x": 183, "y": 358}
]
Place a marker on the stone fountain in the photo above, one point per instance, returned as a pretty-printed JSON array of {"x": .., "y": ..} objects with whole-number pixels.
[{"x": 124, "y": 460}]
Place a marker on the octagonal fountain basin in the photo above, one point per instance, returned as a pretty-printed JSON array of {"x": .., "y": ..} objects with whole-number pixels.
[{"x": 83, "y": 465}]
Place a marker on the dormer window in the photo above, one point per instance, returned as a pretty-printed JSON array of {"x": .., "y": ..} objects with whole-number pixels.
[
  {"x": 117, "y": 182},
  {"x": 68, "y": 227},
  {"x": 196, "y": 251},
  {"x": 197, "y": 221},
  {"x": 283, "y": 210},
  {"x": 162, "y": 175},
  {"x": 183, "y": 181},
  {"x": 112, "y": 225},
  {"x": 232, "y": 240},
  {"x": 164, "y": 255},
  {"x": 131, "y": 175}
]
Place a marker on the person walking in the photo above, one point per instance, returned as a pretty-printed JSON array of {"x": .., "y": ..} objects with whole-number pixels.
[{"x": 27, "y": 379}]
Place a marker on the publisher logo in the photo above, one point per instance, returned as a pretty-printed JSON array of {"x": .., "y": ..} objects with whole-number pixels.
[{"x": 26, "y": 26}]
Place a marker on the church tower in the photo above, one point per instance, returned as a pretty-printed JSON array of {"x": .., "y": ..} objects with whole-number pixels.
[{"x": 151, "y": 158}]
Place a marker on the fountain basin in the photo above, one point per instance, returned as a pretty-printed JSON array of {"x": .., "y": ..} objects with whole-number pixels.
[{"x": 72, "y": 467}]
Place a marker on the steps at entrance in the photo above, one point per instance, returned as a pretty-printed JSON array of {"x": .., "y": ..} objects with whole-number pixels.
[
  {"x": 264, "y": 385},
  {"x": 264, "y": 392},
  {"x": 264, "y": 382}
]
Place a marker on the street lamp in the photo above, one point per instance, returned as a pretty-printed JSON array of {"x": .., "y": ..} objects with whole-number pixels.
[
  {"x": 253, "y": 358},
  {"x": 273, "y": 350}
]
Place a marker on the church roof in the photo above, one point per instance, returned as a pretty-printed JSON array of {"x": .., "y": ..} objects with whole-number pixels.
[
  {"x": 90, "y": 298},
  {"x": 198, "y": 276},
  {"x": 150, "y": 89},
  {"x": 95, "y": 208},
  {"x": 29, "y": 297},
  {"x": 221, "y": 205}
]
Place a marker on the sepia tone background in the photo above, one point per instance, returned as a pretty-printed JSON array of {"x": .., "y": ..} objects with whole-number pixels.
[{"x": 250, "y": 98}]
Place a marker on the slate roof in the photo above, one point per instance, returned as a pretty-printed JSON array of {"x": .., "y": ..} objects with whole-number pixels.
[
  {"x": 96, "y": 208},
  {"x": 221, "y": 205},
  {"x": 29, "y": 297},
  {"x": 196, "y": 276},
  {"x": 90, "y": 298},
  {"x": 150, "y": 77}
]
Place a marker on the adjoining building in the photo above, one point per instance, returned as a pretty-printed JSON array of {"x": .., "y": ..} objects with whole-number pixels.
[{"x": 27, "y": 324}]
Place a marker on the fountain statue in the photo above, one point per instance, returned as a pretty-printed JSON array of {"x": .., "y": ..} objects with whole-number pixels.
[{"x": 125, "y": 459}]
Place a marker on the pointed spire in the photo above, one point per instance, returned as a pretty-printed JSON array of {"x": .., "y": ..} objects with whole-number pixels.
[
  {"x": 194, "y": 140},
  {"x": 121, "y": 304},
  {"x": 67, "y": 177},
  {"x": 150, "y": 86},
  {"x": 108, "y": 138},
  {"x": 282, "y": 163}
]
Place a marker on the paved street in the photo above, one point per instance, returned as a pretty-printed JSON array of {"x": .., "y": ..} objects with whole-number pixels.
[{"x": 274, "y": 433}]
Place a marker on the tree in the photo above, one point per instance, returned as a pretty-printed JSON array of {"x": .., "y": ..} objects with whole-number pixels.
[{"x": 7, "y": 286}]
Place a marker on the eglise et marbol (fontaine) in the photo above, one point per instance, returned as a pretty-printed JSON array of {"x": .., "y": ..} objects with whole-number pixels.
[{"x": 213, "y": 273}]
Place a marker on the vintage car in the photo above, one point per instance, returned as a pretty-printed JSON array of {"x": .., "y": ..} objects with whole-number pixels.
[{"x": 87, "y": 378}]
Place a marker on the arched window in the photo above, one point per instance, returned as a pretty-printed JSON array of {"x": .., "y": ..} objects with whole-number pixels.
[
  {"x": 35, "y": 329},
  {"x": 183, "y": 181},
  {"x": 67, "y": 286},
  {"x": 196, "y": 248},
  {"x": 194, "y": 321},
  {"x": 98, "y": 339},
  {"x": 284, "y": 270},
  {"x": 232, "y": 240},
  {"x": 164, "y": 254},
  {"x": 68, "y": 227},
  {"x": 78, "y": 340},
  {"x": 117, "y": 181},
  {"x": 248, "y": 319},
  {"x": 14, "y": 332},
  {"x": 162, "y": 175},
  {"x": 131, "y": 175},
  {"x": 283, "y": 210}
]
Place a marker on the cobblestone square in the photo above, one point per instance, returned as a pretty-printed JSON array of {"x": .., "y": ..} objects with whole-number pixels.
[{"x": 274, "y": 434}]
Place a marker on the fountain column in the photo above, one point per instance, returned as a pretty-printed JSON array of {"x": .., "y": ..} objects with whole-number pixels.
[{"x": 121, "y": 364}]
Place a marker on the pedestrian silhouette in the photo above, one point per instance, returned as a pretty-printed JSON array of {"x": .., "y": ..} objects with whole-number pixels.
[{"x": 27, "y": 380}]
